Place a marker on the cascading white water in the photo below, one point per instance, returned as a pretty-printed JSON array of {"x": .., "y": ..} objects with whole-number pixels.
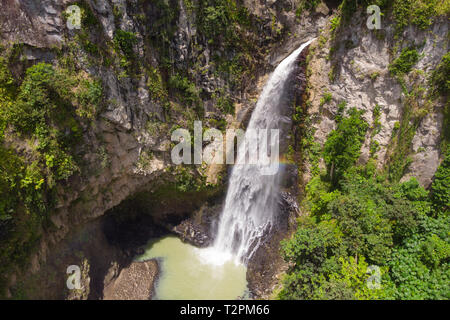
[{"x": 251, "y": 200}]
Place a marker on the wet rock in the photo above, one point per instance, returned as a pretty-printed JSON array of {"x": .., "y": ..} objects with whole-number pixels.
[
  {"x": 265, "y": 267},
  {"x": 288, "y": 204},
  {"x": 192, "y": 233}
]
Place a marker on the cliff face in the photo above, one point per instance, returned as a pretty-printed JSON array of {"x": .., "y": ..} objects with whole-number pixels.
[
  {"x": 352, "y": 65},
  {"x": 163, "y": 64}
]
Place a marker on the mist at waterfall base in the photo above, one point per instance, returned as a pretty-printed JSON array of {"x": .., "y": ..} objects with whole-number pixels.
[
  {"x": 185, "y": 275},
  {"x": 219, "y": 272}
]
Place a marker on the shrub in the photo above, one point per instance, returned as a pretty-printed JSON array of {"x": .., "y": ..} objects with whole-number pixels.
[
  {"x": 215, "y": 21},
  {"x": 374, "y": 147},
  {"x": 36, "y": 98},
  {"x": 186, "y": 88},
  {"x": 155, "y": 85},
  {"x": 343, "y": 145},
  {"x": 125, "y": 41},
  {"x": 404, "y": 63},
  {"x": 440, "y": 78},
  {"x": 335, "y": 23},
  {"x": 89, "y": 96},
  {"x": 349, "y": 282},
  {"x": 6, "y": 79},
  {"x": 440, "y": 189},
  {"x": 326, "y": 98},
  {"x": 11, "y": 167},
  {"x": 218, "y": 20},
  {"x": 223, "y": 101}
]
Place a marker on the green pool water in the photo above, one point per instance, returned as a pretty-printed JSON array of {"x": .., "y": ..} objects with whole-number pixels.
[{"x": 187, "y": 272}]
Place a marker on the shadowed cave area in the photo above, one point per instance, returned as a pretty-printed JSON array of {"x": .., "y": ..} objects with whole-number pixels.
[{"x": 107, "y": 245}]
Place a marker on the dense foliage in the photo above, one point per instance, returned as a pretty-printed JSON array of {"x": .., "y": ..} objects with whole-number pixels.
[
  {"x": 343, "y": 144},
  {"x": 359, "y": 220}
]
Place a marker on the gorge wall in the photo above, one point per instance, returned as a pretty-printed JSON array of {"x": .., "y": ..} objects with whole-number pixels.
[{"x": 351, "y": 65}]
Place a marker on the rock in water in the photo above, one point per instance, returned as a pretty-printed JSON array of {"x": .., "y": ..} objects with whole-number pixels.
[{"x": 134, "y": 282}]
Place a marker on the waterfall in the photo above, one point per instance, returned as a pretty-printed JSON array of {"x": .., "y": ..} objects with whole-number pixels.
[{"x": 251, "y": 201}]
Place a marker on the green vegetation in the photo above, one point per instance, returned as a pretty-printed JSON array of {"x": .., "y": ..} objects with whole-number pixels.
[
  {"x": 124, "y": 43},
  {"x": 218, "y": 20},
  {"x": 145, "y": 159},
  {"x": 343, "y": 145},
  {"x": 400, "y": 147},
  {"x": 402, "y": 137},
  {"x": 223, "y": 102},
  {"x": 306, "y": 5},
  {"x": 440, "y": 194},
  {"x": 374, "y": 147},
  {"x": 440, "y": 79},
  {"x": 326, "y": 98},
  {"x": 309, "y": 148},
  {"x": 86, "y": 38},
  {"x": 440, "y": 85},
  {"x": 404, "y": 63},
  {"x": 445, "y": 134},
  {"x": 361, "y": 217},
  {"x": 88, "y": 19},
  {"x": 332, "y": 74},
  {"x": 187, "y": 180},
  {"x": 348, "y": 7},
  {"x": 44, "y": 112},
  {"x": 88, "y": 97},
  {"x": 156, "y": 86},
  {"x": 362, "y": 220},
  {"x": 160, "y": 30},
  {"x": 229, "y": 27},
  {"x": 42, "y": 109},
  {"x": 374, "y": 75},
  {"x": 420, "y": 13},
  {"x": 225, "y": 25},
  {"x": 375, "y": 129},
  {"x": 185, "y": 89}
]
